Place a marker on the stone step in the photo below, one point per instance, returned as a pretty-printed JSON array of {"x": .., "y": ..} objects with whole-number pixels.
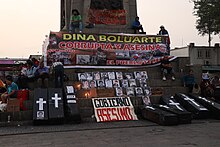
[
  {"x": 167, "y": 83},
  {"x": 155, "y": 99},
  {"x": 174, "y": 90},
  {"x": 16, "y": 116},
  {"x": 171, "y": 90},
  {"x": 86, "y": 112},
  {"x": 31, "y": 95},
  {"x": 153, "y": 73},
  {"x": 28, "y": 104},
  {"x": 84, "y": 102},
  {"x": 110, "y": 29},
  {"x": 158, "y": 75}
]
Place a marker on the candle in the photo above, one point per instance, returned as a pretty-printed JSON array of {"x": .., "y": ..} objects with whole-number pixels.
[{"x": 87, "y": 94}]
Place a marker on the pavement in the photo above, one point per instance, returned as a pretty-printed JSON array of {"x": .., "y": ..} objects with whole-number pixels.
[{"x": 18, "y": 128}]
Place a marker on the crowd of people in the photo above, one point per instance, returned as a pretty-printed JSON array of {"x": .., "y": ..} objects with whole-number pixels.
[
  {"x": 76, "y": 23},
  {"x": 208, "y": 87},
  {"x": 30, "y": 72}
]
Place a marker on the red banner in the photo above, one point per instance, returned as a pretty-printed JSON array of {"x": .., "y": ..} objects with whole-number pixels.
[
  {"x": 113, "y": 109},
  {"x": 106, "y": 49},
  {"x": 115, "y": 17}
]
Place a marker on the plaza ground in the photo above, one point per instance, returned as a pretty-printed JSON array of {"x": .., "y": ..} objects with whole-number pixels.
[{"x": 201, "y": 133}]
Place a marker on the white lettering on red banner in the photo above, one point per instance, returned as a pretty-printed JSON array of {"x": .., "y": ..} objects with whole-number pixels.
[{"x": 113, "y": 109}]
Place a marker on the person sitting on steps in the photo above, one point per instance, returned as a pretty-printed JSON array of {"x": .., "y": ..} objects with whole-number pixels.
[
  {"x": 42, "y": 75},
  {"x": 167, "y": 68},
  {"x": 10, "y": 93},
  {"x": 75, "y": 21},
  {"x": 136, "y": 25}
]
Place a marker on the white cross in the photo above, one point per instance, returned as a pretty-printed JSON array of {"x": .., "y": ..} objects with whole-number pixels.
[
  {"x": 56, "y": 99},
  {"x": 41, "y": 103},
  {"x": 206, "y": 100},
  {"x": 175, "y": 104},
  {"x": 149, "y": 107},
  {"x": 164, "y": 106},
  {"x": 186, "y": 98}
]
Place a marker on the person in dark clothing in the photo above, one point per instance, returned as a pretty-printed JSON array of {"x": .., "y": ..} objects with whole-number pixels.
[
  {"x": 58, "y": 71},
  {"x": 163, "y": 31},
  {"x": 206, "y": 87},
  {"x": 42, "y": 75},
  {"x": 189, "y": 80},
  {"x": 137, "y": 25},
  {"x": 27, "y": 75},
  {"x": 167, "y": 68}
]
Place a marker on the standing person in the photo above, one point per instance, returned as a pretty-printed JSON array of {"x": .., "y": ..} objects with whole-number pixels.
[
  {"x": 189, "y": 80},
  {"x": 136, "y": 25},
  {"x": 42, "y": 75},
  {"x": 58, "y": 71},
  {"x": 206, "y": 87},
  {"x": 75, "y": 21},
  {"x": 163, "y": 31},
  {"x": 167, "y": 68}
]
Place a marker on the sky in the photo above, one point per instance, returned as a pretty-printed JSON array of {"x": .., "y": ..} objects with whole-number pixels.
[{"x": 24, "y": 24}]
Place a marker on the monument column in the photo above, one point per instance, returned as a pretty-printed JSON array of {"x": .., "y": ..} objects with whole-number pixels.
[
  {"x": 66, "y": 5},
  {"x": 112, "y": 16}
]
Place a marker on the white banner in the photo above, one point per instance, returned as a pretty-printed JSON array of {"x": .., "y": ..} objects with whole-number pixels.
[{"x": 113, "y": 109}]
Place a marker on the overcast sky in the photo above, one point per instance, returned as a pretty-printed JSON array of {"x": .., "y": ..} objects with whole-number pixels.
[{"x": 24, "y": 23}]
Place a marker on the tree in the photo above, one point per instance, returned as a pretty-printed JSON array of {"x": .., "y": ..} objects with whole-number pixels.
[{"x": 208, "y": 18}]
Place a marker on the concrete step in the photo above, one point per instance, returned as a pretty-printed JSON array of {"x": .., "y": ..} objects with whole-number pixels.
[
  {"x": 158, "y": 75},
  {"x": 28, "y": 104},
  {"x": 174, "y": 90},
  {"x": 31, "y": 95},
  {"x": 161, "y": 83},
  {"x": 110, "y": 29},
  {"x": 16, "y": 116},
  {"x": 171, "y": 90},
  {"x": 84, "y": 102},
  {"x": 86, "y": 112},
  {"x": 155, "y": 99}
]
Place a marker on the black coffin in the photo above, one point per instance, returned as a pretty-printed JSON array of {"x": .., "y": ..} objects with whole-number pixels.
[
  {"x": 71, "y": 110},
  {"x": 213, "y": 107},
  {"x": 217, "y": 94},
  {"x": 40, "y": 107},
  {"x": 159, "y": 116},
  {"x": 184, "y": 117},
  {"x": 56, "y": 109},
  {"x": 173, "y": 106},
  {"x": 198, "y": 110}
]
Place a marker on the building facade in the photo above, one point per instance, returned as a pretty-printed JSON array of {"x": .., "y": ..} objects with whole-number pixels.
[{"x": 203, "y": 55}]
